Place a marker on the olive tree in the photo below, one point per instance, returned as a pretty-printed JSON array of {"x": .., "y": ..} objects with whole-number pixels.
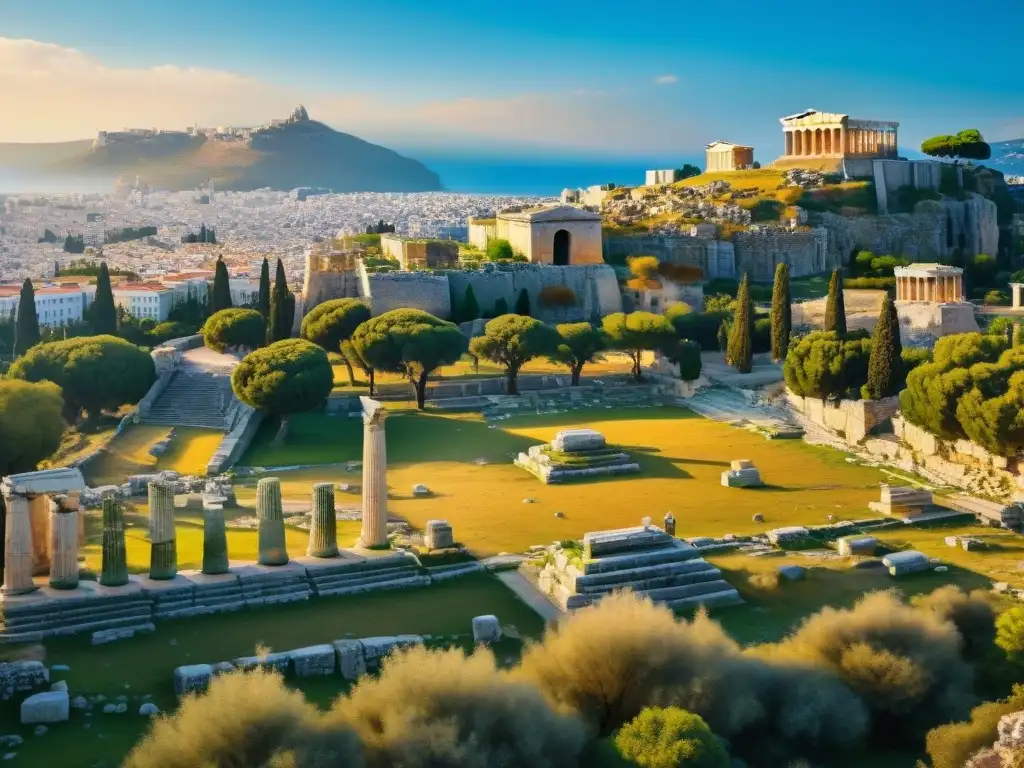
[
  {"x": 512, "y": 341},
  {"x": 411, "y": 342},
  {"x": 284, "y": 378}
]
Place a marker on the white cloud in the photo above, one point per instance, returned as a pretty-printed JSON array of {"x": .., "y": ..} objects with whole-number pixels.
[
  {"x": 52, "y": 93},
  {"x": 666, "y": 80}
]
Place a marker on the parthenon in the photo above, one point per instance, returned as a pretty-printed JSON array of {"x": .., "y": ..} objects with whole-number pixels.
[
  {"x": 935, "y": 283},
  {"x": 826, "y": 134}
]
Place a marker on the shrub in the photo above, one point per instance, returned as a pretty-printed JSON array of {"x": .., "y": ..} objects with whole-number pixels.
[
  {"x": 971, "y": 614},
  {"x": 950, "y": 745},
  {"x": 762, "y": 338},
  {"x": 233, "y": 329},
  {"x": 1010, "y": 631},
  {"x": 440, "y": 708},
  {"x": 990, "y": 412},
  {"x": 870, "y": 283},
  {"x": 823, "y": 365},
  {"x": 687, "y": 355},
  {"x": 557, "y": 296},
  {"x": 701, "y": 327},
  {"x": 500, "y": 250},
  {"x": 997, "y": 298},
  {"x": 670, "y": 738}
]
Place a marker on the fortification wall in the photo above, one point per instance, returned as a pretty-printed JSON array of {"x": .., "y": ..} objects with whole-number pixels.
[
  {"x": 320, "y": 285},
  {"x": 806, "y": 252},
  {"x": 715, "y": 258},
  {"x": 400, "y": 290},
  {"x": 853, "y": 420}
]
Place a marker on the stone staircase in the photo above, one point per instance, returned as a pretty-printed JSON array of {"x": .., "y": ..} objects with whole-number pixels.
[
  {"x": 87, "y": 610},
  {"x": 646, "y": 561},
  {"x": 388, "y": 572},
  {"x": 196, "y": 396}
]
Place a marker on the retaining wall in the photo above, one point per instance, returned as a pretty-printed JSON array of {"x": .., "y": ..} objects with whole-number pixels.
[{"x": 853, "y": 420}]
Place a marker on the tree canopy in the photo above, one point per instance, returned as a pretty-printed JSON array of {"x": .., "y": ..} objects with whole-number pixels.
[
  {"x": 30, "y": 422},
  {"x": 637, "y": 333},
  {"x": 286, "y": 377},
  {"x": 991, "y": 411},
  {"x": 411, "y": 342},
  {"x": 102, "y": 312},
  {"x": 670, "y": 738},
  {"x": 968, "y": 144},
  {"x": 740, "y": 353},
  {"x": 95, "y": 373},
  {"x": 578, "y": 344},
  {"x": 686, "y": 354},
  {"x": 332, "y": 323},
  {"x": 282, "y": 307},
  {"x": 234, "y": 328},
  {"x": 835, "y": 306},
  {"x": 26, "y": 332},
  {"x": 782, "y": 313},
  {"x": 885, "y": 365},
  {"x": 221, "y": 287},
  {"x": 824, "y": 365},
  {"x": 512, "y": 341}
]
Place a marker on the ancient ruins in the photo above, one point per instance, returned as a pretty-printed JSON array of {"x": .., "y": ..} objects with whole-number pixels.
[{"x": 575, "y": 454}]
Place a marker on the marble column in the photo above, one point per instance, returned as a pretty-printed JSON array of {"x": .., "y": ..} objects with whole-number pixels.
[
  {"x": 375, "y": 480},
  {"x": 39, "y": 514},
  {"x": 789, "y": 143},
  {"x": 270, "y": 519},
  {"x": 163, "y": 558},
  {"x": 797, "y": 142},
  {"x": 73, "y": 502},
  {"x": 323, "y": 530},
  {"x": 114, "y": 571},
  {"x": 17, "y": 547},
  {"x": 64, "y": 537},
  {"x": 215, "y": 541}
]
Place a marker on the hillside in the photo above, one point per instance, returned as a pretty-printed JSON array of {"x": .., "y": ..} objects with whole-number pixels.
[
  {"x": 296, "y": 154},
  {"x": 1008, "y": 157}
]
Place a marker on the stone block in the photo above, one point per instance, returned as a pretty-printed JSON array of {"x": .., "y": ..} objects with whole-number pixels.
[
  {"x": 737, "y": 464},
  {"x": 439, "y": 535},
  {"x": 602, "y": 543},
  {"x": 789, "y": 533},
  {"x": 420, "y": 490},
  {"x": 486, "y": 629},
  {"x": 350, "y": 658},
  {"x": 570, "y": 440},
  {"x": 858, "y": 545},
  {"x": 46, "y": 707},
  {"x": 792, "y": 572},
  {"x": 314, "y": 661},
  {"x": 278, "y": 661},
  {"x": 21, "y": 677},
  {"x": 192, "y": 678},
  {"x": 742, "y": 478}
]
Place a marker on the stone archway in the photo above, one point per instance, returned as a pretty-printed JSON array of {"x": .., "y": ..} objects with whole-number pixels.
[{"x": 562, "y": 246}]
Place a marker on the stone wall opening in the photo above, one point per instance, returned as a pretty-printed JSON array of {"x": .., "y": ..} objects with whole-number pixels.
[{"x": 562, "y": 248}]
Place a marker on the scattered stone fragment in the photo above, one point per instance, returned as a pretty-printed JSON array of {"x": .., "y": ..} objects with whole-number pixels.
[
  {"x": 149, "y": 709},
  {"x": 486, "y": 629},
  {"x": 47, "y": 707},
  {"x": 39, "y": 730}
]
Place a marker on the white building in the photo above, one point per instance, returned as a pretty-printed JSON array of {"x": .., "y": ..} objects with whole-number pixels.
[
  {"x": 244, "y": 292},
  {"x": 151, "y": 301},
  {"x": 55, "y": 305}
]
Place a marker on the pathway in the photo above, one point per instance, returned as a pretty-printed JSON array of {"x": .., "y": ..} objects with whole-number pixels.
[{"x": 530, "y": 595}]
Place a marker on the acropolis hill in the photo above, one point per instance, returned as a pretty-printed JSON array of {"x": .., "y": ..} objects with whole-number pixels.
[{"x": 284, "y": 154}]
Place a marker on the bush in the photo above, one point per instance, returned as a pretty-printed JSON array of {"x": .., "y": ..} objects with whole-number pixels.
[
  {"x": 234, "y": 329},
  {"x": 762, "y": 335},
  {"x": 824, "y": 365},
  {"x": 557, "y": 296},
  {"x": 500, "y": 250},
  {"x": 971, "y": 614},
  {"x": 440, "y": 708},
  {"x": 997, "y": 299},
  {"x": 871, "y": 283},
  {"x": 670, "y": 738},
  {"x": 952, "y": 744},
  {"x": 1010, "y": 632},
  {"x": 687, "y": 355},
  {"x": 701, "y": 327}
]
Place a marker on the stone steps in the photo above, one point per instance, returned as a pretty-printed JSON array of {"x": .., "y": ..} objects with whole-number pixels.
[
  {"x": 400, "y": 583},
  {"x": 640, "y": 559},
  {"x": 195, "y": 397},
  {"x": 630, "y": 575},
  {"x": 708, "y": 574},
  {"x": 719, "y": 599}
]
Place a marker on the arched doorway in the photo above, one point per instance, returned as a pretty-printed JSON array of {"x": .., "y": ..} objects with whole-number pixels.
[{"x": 563, "y": 241}]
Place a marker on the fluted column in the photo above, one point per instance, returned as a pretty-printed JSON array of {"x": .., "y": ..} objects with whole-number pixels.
[
  {"x": 215, "y": 541},
  {"x": 788, "y": 140},
  {"x": 163, "y": 559},
  {"x": 115, "y": 558},
  {"x": 17, "y": 547},
  {"x": 39, "y": 514},
  {"x": 270, "y": 518},
  {"x": 64, "y": 538},
  {"x": 375, "y": 480},
  {"x": 323, "y": 531}
]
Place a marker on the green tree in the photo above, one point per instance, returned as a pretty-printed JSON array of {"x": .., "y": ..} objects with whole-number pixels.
[
  {"x": 688, "y": 171},
  {"x": 782, "y": 313},
  {"x": 1010, "y": 632},
  {"x": 282, "y": 308},
  {"x": 103, "y": 312},
  {"x": 284, "y": 378},
  {"x": 967, "y": 144},
  {"x": 234, "y": 329},
  {"x": 410, "y": 342},
  {"x": 353, "y": 354},
  {"x": 263, "y": 298},
  {"x": 470, "y": 309},
  {"x": 579, "y": 344},
  {"x": 741, "y": 342},
  {"x": 670, "y": 738},
  {"x": 512, "y": 341},
  {"x": 835, "y": 308},
  {"x": 95, "y": 373},
  {"x": 823, "y": 366},
  {"x": 221, "y": 287},
  {"x": 991, "y": 411},
  {"x": 523, "y": 303},
  {"x": 637, "y": 333},
  {"x": 500, "y": 307},
  {"x": 329, "y": 324},
  {"x": 885, "y": 365},
  {"x": 500, "y": 250},
  {"x": 26, "y": 332}
]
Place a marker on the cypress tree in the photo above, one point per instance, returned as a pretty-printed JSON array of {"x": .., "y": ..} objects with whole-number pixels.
[
  {"x": 470, "y": 306},
  {"x": 500, "y": 307},
  {"x": 740, "y": 339},
  {"x": 885, "y": 365},
  {"x": 282, "y": 308},
  {"x": 103, "y": 313},
  {"x": 26, "y": 331},
  {"x": 523, "y": 303},
  {"x": 782, "y": 313},
  {"x": 835, "y": 309},
  {"x": 221, "y": 287},
  {"x": 263, "y": 301}
]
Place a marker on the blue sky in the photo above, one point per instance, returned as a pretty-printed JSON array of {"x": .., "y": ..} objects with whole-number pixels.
[{"x": 624, "y": 79}]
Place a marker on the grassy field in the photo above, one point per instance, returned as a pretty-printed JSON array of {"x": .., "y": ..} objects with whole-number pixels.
[
  {"x": 144, "y": 665},
  {"x": 128, "y": 453},
  {"x": 681, "y": 457}
]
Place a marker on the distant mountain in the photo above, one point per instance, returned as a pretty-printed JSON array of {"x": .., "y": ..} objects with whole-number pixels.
[
  {"x": 1008, "y": 157},
  {"x": 297, "y": 152}
]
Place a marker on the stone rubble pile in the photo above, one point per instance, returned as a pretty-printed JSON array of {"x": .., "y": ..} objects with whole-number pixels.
[{"x": 575, "y": 453}]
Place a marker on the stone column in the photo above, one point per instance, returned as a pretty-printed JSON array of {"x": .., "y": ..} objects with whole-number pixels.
[
  {"x": 323, "y": 531},
  {"x": 64, "y": 531},
  {"x": 163, "y": 558},
  {"x": 17, "y": 547},
  {"x": 215, "y": 541},
  {"x": 375, "y": 480},
  {"x": 115, "y": 558},
  {"x": 39, "y": 515},
  {"x": 270, "y": 518}
]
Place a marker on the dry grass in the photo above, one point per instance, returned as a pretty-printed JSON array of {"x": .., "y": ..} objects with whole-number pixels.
[
  {"x": 763, "y": 179},
  {"x": 128, "y": 453}
]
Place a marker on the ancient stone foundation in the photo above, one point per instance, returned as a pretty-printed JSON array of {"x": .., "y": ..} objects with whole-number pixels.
[
  {"x": 575, "y": 454},
  {"x": 271, "y": 522}
]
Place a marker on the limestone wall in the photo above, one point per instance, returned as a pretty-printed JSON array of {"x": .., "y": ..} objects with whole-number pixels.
[
  {"x": 715, "y": 258},
  {"x": 399, "y": 290},
  {"x": 851, "y": 419},
  {"x": 758, "y": 252},
  {"x": 320, "y": 286}
]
